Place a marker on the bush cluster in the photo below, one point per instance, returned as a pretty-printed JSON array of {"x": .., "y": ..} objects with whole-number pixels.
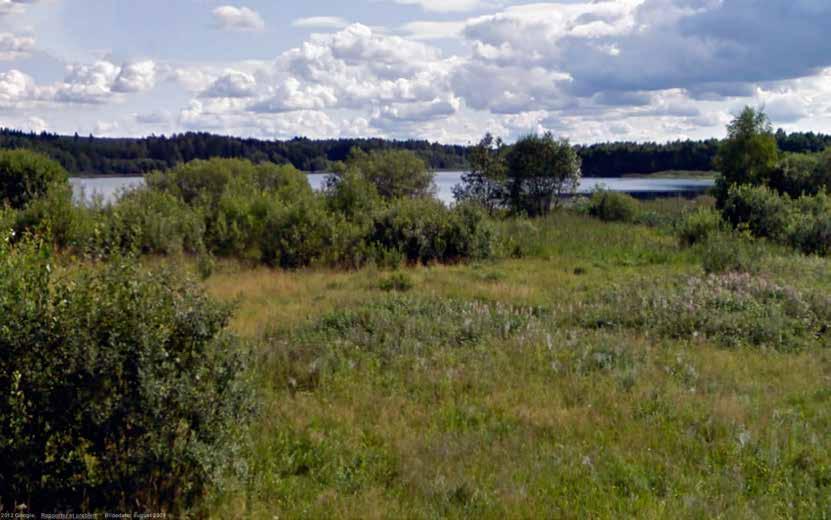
[
  {"x": 424, "y": 230},
  {"x": 802, "y": 174},
  {"x": 121, "y": 388},
  {"x": 803, "y": 223},
  {"x": 262, "y": 213},
  {"x": 149, "y": 221},
  {"x": 699, "y": 225},
  {"x": 612, "y": 206},
  {"x": 270, "y": 214},
  {"x": 726, "y": 252},
  {"x": 779, "y": 197}
]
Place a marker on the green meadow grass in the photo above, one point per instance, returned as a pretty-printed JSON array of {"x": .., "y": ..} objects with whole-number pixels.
[{"x": 593, "y": 371}]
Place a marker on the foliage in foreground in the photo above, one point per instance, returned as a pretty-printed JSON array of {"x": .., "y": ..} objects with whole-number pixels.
[{"x": 121, "y": 387}]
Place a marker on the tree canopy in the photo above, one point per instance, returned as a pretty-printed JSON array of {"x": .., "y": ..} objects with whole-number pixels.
[
  {"x": 125, "y": 156},
  {"x": 749, "y": 153},
  {"x": 528, "y": 177},
  {"x": 484, "y": 182},
  {"x": 394, "y": 173},
  {"x": 130, "y": 156},
  {"x": 540, "y": 170}
]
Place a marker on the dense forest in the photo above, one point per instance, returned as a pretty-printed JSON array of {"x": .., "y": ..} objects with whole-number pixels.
[{"x": 122, "y": 156}]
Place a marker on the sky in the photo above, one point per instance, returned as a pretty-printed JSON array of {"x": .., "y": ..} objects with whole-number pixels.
[{"x": 442, "y": 70}]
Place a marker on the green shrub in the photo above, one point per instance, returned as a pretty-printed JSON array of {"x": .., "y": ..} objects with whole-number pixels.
[
  {"x": 797, "y": 174},
  {"x": 394, "y": 173},
  {"x": 652, "y": 218},
  {"x": 613, "y": 206},
  {"x": 298, "y": 234},
  {"x": 803, "y": 223},
  {"x": 205, "y": 265},
  {"x": 352, "y": 195},
  {"x": 424, "y": 230},
  {"x": 284, "y": 180},
  {"x": 540, "y": 171},
  {"x": 810, "y": 231},
  {"x": 759, "y": 209},
  {"x": 471, "y": 234},
  {"x": 204, "y": 182},
  {"x": 121, "y": 388},
  {"x": 723, "y": 252},
  {"x": 235, "y": 227},
  {"x": 151, "y": 222},
  {"x": 26, "y": 176},
  {"x": 200, "y": 181},
  {"x": 55, "y": 217},
  {"x": 698, "y": 226},
  {"x": 39, "y": 189},
  {"x": 747, "y": 155}
]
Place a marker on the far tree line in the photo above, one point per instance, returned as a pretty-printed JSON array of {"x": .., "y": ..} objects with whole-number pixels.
[{"x": 91, "y": 155}]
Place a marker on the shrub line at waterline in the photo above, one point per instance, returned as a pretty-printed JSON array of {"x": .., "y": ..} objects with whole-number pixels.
[{"x": 378, "y": 210}]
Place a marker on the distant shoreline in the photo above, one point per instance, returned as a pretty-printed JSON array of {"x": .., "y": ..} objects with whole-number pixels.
[
  {"x": 108, "y": 176},
  {"x": 671, "y": 174}
]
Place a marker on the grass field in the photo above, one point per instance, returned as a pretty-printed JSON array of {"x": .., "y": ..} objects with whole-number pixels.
[{"x": 600, "y": 375}]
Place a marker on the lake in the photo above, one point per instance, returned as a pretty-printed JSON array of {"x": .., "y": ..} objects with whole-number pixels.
[{"x": 108, "y": 187}]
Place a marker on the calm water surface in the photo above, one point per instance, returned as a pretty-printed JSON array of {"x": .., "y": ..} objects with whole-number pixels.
[{"x": 107, "y": 188}]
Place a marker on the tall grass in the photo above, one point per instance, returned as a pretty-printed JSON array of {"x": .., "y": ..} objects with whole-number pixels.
[{"x": 592, "y": 370}]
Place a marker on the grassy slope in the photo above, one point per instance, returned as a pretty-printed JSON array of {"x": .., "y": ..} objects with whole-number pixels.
[{"x": 482, "y": 393}]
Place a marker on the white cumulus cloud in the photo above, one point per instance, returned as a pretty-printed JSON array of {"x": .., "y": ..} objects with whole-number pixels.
[
  {"x": 232, "y": 84},
  {"x": 229, "y": 17},
  {"x": 15, "y": 86},
  {"x": 135, "y": 77},
  {"x": 292, "y": 95}
]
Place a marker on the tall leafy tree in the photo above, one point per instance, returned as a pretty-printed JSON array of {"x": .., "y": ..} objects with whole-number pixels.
[
  {"x": 749, "y": 153},
  {"x": 540, "y": 171},
  {"x": 484, "y": 183}
]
